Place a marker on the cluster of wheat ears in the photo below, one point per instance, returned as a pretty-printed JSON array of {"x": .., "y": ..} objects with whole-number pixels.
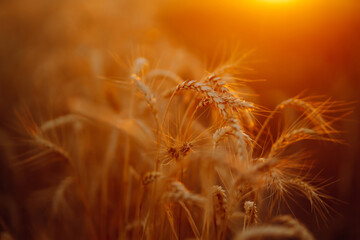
[{"x": 177, "y": 159}]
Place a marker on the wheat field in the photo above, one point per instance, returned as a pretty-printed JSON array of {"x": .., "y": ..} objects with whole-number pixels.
[{"x": 146, "y": 139}]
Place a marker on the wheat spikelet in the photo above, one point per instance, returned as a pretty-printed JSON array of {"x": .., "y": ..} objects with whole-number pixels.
[
  {"x": 309, "y": 191},
  {"x": 203, "y": 103},
  {"x": 150, "y": 177},
  {"x": 254, "y": 173},
  {"x": 239, "y": 136},
  {"x": 227, "y": 130},
  {"x": 294, "y": 136},
  {"x": 178, "y": 153},
  {"x": 207, "y": 91},
  {"x": 242, "y": 189},
  {"x": 43, "y": 142},
  {"x": 219, "y": 134},
  {"x": 313, "y": 113},
  {"x": 275, "y": 179},
  {"x": 233, "y": 101},
  {"x": 220, "y": 204},
  {"x": 307, "y": 107},
  {"x": 251, "y": 215},
  {"x": 145, "y": 90},
  {"x": 141, "y": 66},
  {"x": 236, "y": 104},
  {"x": 185, "y": 149},
  {"x": 38, "y": 138},
  {"x": 134, "y": 225},
  {"x": 217, "y": 83},
  {"x": 253, "y": 177},
  {"x": 149, "y": 97},
  {"x": 178, "y": 192},
  {"x": 221, "y": 104}
]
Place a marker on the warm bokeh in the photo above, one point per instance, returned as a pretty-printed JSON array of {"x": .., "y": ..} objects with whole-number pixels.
[{"x": 53, "y": 50}]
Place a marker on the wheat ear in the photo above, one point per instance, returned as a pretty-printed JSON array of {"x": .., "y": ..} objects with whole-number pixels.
[
  {"x": 150, "y": 177},
  {"x": 219, "y": 134},
  {"x": 220, "y": 204},
  {"x": 312, "y": 113},
  {"x": 239, "y": 136},
  {"x": 178, "y": 192},
  {"x": 149, "y": 97},
  {"x": 251, "y": 215},
  {"x": 309, "y": 109},
  {"x": 292, "y": 137},
  {"x": 141, "y": 66},
  {"x": 288, "y": 221},
  {"x": 270, "y": 232},
  {"x": 41, "y": 141},
  {"x": 311, "y": 193},
  {"x": 178, "y": 153},
  {"x": 207, "y": 92}
]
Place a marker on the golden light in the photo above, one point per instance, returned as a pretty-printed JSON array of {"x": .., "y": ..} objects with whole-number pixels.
[{"x": 276, "y": 1}]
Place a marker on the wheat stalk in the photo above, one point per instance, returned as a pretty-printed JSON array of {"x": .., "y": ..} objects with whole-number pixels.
[
  {"x": 59, "y": 194},
  {"x": 62, "y": 120}
]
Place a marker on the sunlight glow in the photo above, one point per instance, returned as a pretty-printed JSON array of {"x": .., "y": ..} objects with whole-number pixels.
[{"x": 276, "y": 1}]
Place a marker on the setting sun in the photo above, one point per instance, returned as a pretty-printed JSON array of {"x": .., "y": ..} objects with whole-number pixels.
[{"x": 276, "y": 1}]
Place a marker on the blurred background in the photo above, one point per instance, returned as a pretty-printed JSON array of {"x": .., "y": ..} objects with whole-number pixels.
[{"x": 51, "y": 50}]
